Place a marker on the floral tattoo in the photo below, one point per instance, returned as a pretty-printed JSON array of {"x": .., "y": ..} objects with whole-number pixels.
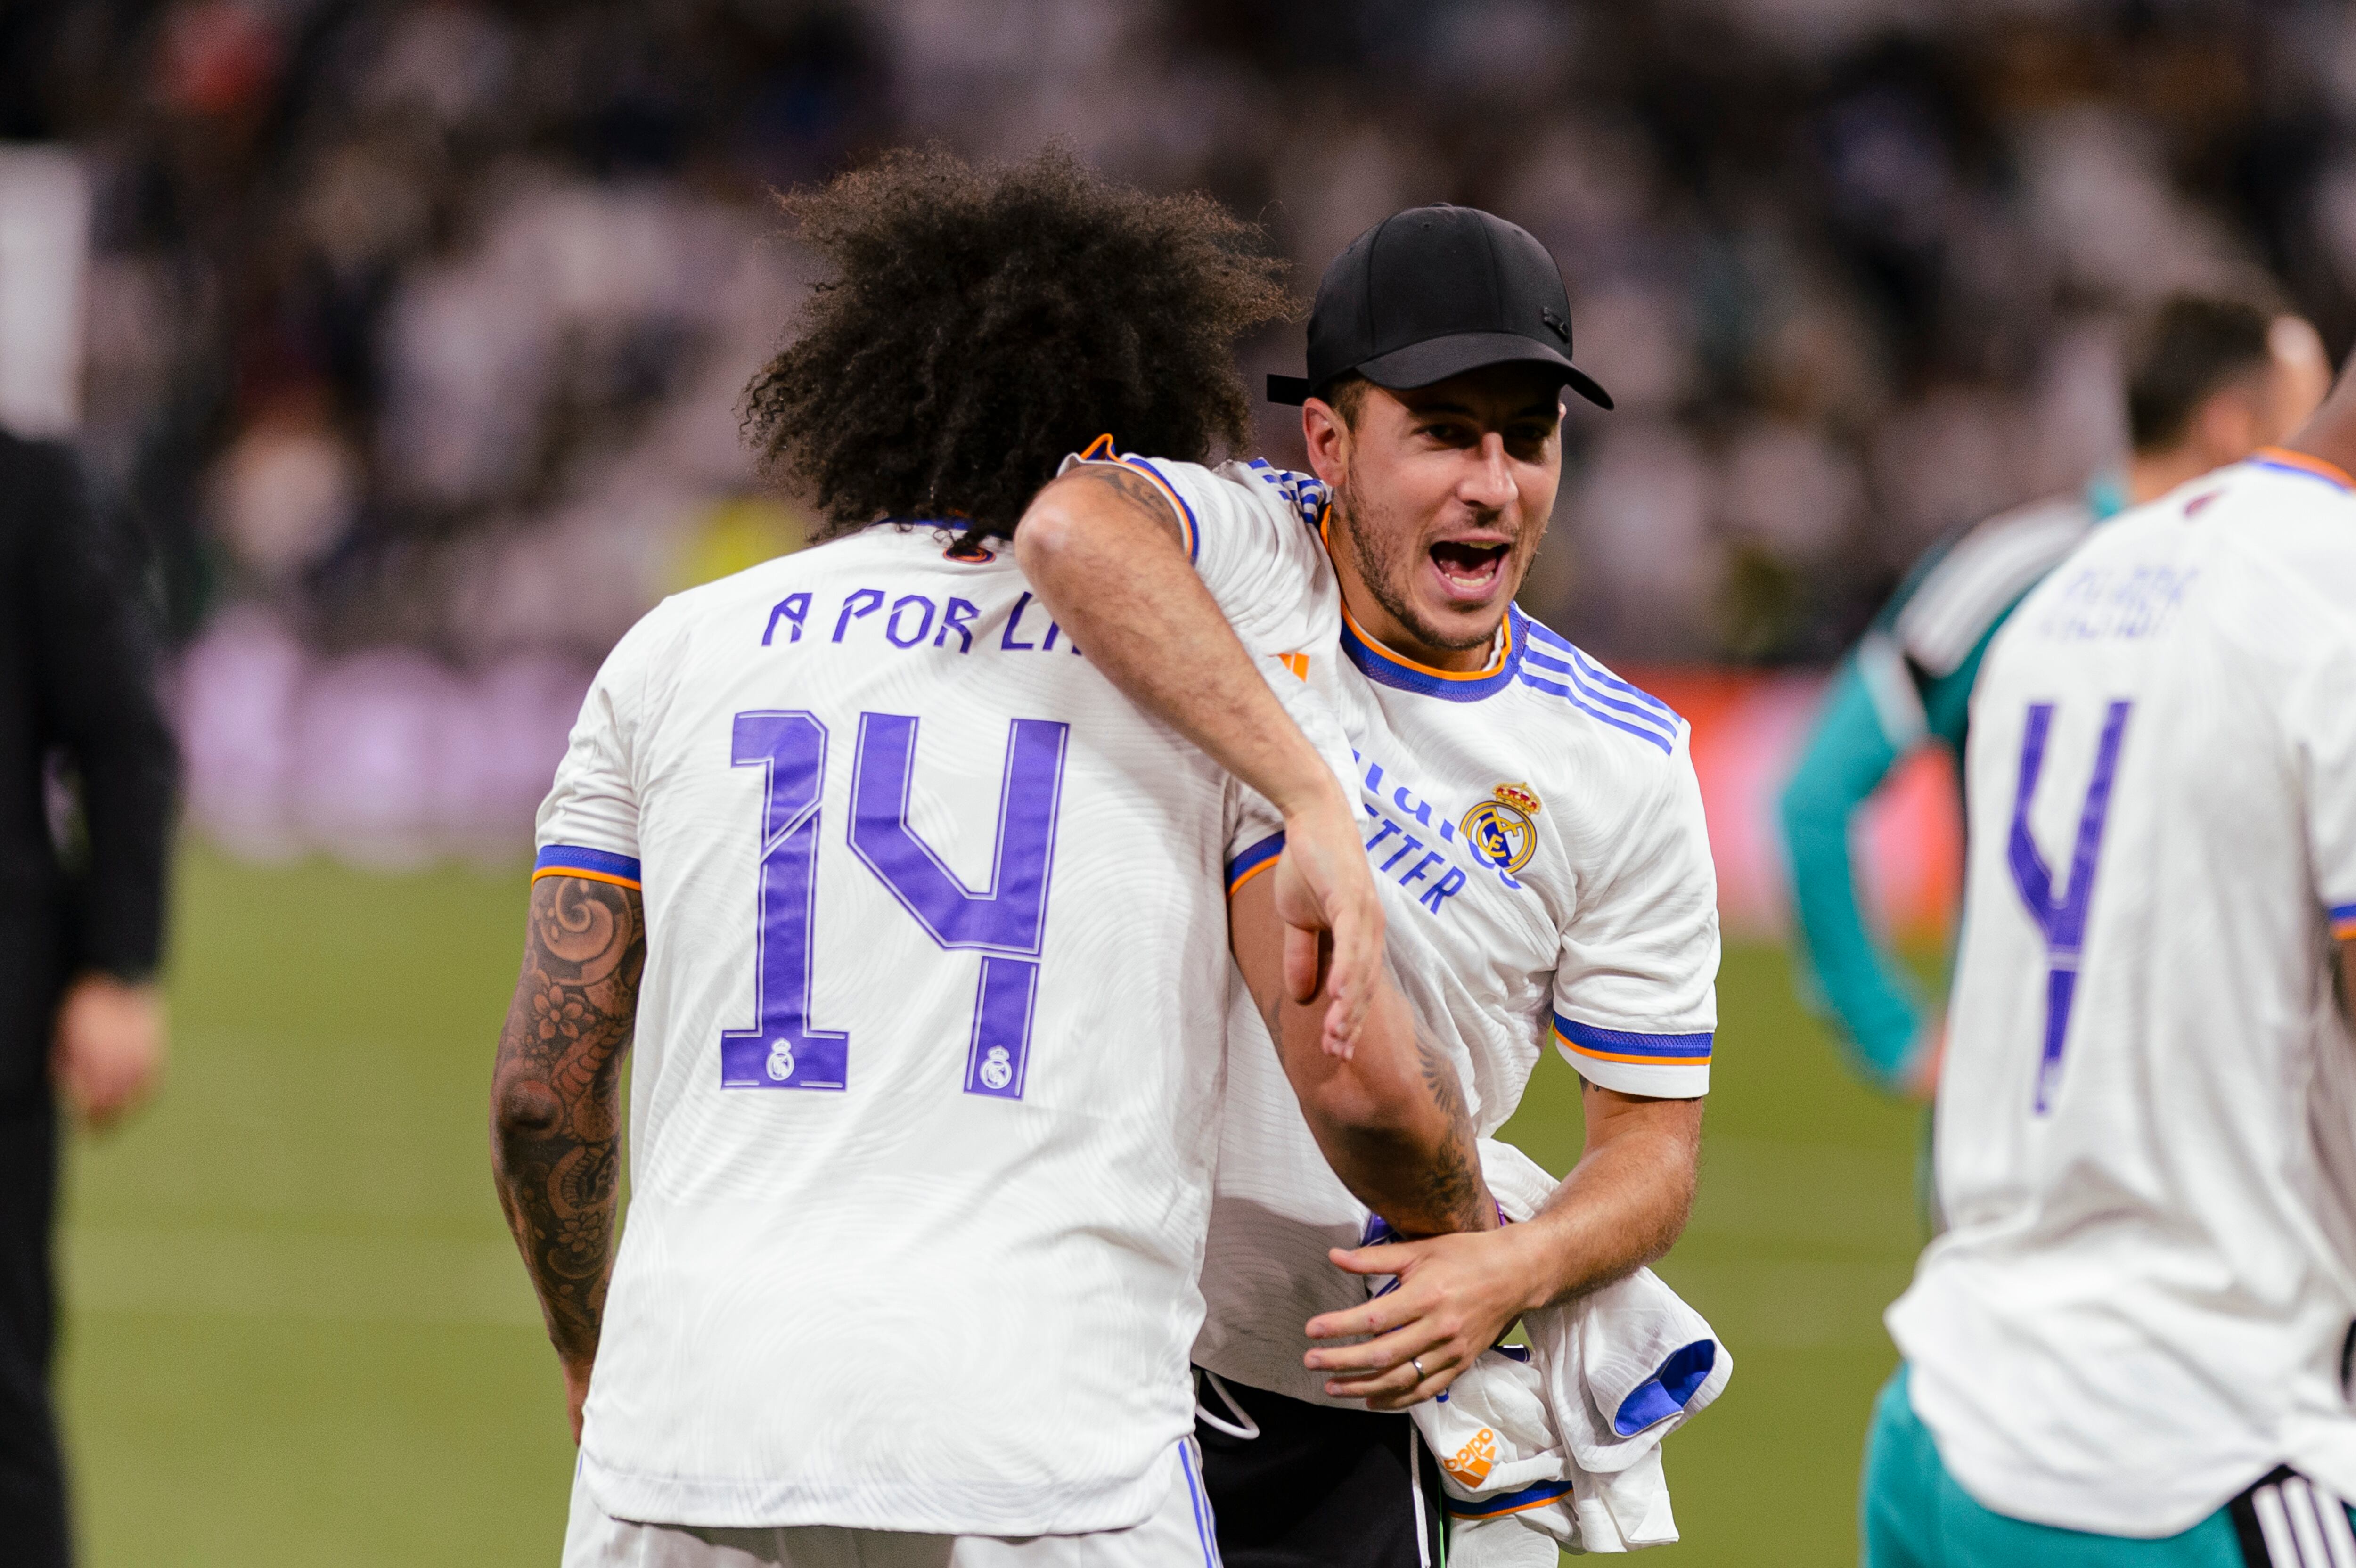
[{"x": 556, "y": 1114}]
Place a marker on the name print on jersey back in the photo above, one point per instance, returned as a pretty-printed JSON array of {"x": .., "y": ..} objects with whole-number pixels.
[
  {"x": 1002, "y": 920},
  {"x": 912, "y": 620}
]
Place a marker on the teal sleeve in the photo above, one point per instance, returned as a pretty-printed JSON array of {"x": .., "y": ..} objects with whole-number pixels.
[
  {"x": 1947, "y": 701},
  {"x": 1868, "y": 998}
]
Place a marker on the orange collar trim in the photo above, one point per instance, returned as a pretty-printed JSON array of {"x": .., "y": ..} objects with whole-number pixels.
[
  {"x": 2286, "y": 458},
  {"x": 1504, "y": 651},
  {"x": 1504, "y": 641}
]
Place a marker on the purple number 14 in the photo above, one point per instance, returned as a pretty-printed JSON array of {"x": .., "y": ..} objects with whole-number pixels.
[{"x": 1004, "y": 922}]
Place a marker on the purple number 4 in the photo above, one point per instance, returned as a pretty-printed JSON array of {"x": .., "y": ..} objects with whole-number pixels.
[
  {"x": 2062, "y": 919},
  {"x": 1004, "y": 923}
]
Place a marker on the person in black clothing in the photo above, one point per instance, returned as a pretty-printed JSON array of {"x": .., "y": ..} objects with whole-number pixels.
[{"x": 81, "y": 915}]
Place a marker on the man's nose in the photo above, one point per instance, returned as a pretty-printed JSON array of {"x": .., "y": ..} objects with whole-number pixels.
[{"x": 1490, "y": 483}]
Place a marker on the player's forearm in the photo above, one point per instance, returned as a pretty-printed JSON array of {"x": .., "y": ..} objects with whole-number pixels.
[
  {"x": 1393, "y": 1123},
  {"x": 556, "y": 1114},
  {"x": 1623, "y": 1206},
  {"x": 1100, "y": 547}
]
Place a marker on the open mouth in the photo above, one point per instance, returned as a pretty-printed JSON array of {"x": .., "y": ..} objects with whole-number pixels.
[{"x": 1469, "y": 569}]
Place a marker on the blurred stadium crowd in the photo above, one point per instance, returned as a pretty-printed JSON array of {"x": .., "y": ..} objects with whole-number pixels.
[{"x": 415, "y": 330}]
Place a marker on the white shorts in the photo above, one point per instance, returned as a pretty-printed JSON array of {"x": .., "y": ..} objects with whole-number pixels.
[{"x": 1176, "y": 1535}]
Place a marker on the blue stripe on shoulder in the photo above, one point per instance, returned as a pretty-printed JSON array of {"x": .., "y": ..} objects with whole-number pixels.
[
  {"x": 1599, "y": 675},
  {"x": 1642, "y": 732},
  {"x": 1595, "y": 690},
  {"x": 1547, "y": 661}
]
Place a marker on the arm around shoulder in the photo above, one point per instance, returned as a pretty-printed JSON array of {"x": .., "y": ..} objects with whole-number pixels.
[
  {"x": 1105, "y": 550},
  {"x": 1390, "y": 1118}
]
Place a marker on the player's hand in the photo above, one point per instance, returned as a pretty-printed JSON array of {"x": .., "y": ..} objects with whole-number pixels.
[
  {"x": 1457, "y": 1296},
  {"x": 576, "y": 1393},
  {"x": 108, "y": 1049},
  {"x": 1332, "y": 916}
]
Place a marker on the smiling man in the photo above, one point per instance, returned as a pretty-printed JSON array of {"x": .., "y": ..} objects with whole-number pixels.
[{"x": 1534, "y": 823}]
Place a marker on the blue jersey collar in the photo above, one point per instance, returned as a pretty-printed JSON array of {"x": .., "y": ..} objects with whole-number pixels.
[
  {"x": 2283, "y": 460},
  {"x": 1384, "y": 667}
]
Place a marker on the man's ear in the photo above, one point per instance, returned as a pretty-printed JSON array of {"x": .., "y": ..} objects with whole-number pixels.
[{"x": 1326, "y": 435}]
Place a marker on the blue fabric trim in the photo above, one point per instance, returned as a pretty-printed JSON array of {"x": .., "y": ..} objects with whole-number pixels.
[
  {"x": 2302, "y": 472},
  {"x": 1665, "y": 1393},
  {"x": 1305, "y": 492},
  {"x": 1193, "y": 528},
  {"x": 1253, "y": 857},
  {"x": 1540, "y": 659},
  {"x": 1622, "y": 1042},
  {"x": 1541, "y": 633},
  {"x": 1386, "y": 668},
  {"x": 1541, "y": 1492},
  {"x": 576, "y": 858},
  {"x": 1200, "y": 1504},
  {"x": 1650, "y": 736},
  {"x": 2343, "y": 912}
]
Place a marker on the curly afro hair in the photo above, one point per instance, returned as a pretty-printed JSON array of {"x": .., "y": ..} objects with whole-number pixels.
[{"x": 981, "y": 323}]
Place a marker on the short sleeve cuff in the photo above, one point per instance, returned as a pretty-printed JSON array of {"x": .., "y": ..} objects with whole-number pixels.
[
  {"x": 1251, "y": 862},
  {"x": 1666, "y": 1066},
  {"x": 579, "y": 860}
]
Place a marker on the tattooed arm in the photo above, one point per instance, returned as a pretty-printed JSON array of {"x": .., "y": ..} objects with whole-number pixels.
[
  {"x": 556, "y": 1114},
  {"x": 1391, "y": 1118}
]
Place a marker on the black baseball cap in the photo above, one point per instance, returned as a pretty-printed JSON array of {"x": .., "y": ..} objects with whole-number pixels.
[{"x": 1434, "y": 292}]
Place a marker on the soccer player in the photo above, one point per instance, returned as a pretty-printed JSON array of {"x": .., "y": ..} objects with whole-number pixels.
[
  {"x": 2132, "y": 1345},
  {"x": 2211, "y": 378},
  {"x": 918, "y": 930},
  {"x": 1534, "y": 820}
]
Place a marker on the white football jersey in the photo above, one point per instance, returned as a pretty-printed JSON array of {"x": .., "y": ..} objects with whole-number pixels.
[
  {"x": 1536, "y": 829},
  {"x": 928, "y": 1053},
  {"x": 2147, "y": 1123}
]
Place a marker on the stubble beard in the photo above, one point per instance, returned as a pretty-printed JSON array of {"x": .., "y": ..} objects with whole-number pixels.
[{"x": 1387, "y": 559}]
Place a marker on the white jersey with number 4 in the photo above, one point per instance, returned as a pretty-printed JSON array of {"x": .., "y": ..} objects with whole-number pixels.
[
  {"x": 1537, "y": 830},
  {"x": 2147, "y": 1124},
  {"x": 928, "y": 1053}
]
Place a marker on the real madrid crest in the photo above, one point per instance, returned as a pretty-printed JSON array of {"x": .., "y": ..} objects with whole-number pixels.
[{"x": 1499, "y": 829}]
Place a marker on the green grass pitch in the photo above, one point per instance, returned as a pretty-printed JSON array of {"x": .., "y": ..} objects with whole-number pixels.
[{"x": 296, "y": 1333}]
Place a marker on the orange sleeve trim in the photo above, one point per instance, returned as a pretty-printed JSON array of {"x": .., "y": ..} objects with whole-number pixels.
[{"x": 587, "y": 876}]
